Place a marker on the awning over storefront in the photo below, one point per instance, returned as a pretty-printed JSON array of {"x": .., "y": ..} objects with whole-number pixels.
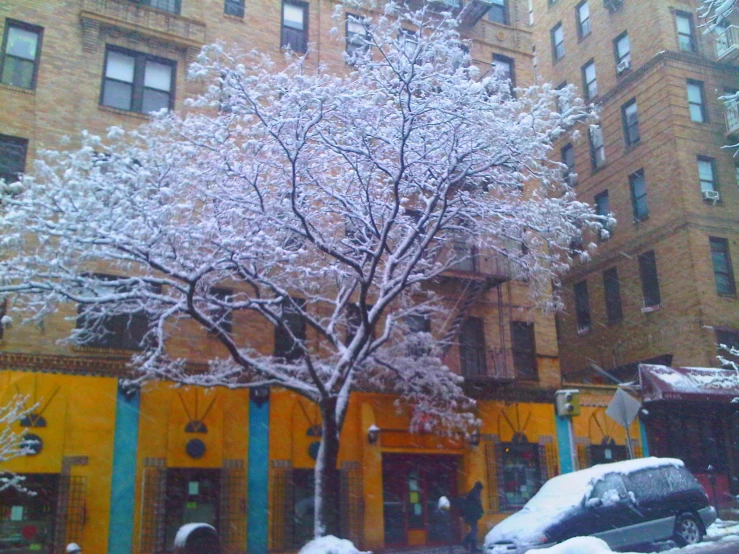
[{"x": 659, "y": 382}]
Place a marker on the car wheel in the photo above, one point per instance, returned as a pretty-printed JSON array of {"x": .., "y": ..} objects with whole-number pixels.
[{"x": 687, "y": 530}]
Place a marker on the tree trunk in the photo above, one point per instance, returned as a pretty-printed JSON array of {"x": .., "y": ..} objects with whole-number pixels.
[{"x": 327, "y": 474}]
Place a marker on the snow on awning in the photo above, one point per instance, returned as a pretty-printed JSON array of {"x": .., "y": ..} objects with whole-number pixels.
[{"x": 659, "y": 382}]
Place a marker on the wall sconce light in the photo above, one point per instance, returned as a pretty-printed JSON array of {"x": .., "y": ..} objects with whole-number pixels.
[
  {"x": 373, "y": 434},
  {"x": 474, "y": 438}
]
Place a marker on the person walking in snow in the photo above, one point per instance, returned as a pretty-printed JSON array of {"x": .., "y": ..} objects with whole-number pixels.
[{"x": 471, "y": 513}]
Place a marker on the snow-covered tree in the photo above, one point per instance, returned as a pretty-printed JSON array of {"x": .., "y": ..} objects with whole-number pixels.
[
  {"x": 714, "y": 12},
  {"x": 295, "y": 195}
]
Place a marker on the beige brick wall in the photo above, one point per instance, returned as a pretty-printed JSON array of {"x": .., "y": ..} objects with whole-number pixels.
[
  {"x": 66, "y": 100},
  {"x": 680, "y": 221}
]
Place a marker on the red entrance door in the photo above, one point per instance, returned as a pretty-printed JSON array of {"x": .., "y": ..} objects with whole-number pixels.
[{"x": 412, "y": 486}]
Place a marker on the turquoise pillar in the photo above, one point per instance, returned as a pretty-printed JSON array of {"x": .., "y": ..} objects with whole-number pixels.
[
  {"x": 258, "y": 474},
  {"x": 565, "y": 443},
  {"x": 644, "y": 443},
  {"x": 123, "y": 486}
]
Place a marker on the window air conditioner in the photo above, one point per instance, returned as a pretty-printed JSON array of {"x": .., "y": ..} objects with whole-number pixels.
[
  {"x": 711, "y": 195},
  {"x": 623, "y": 66},
  {"x": 612, "y": 5}
]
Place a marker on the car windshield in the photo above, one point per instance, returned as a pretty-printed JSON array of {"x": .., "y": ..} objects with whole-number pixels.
[{"x": 559, "y": 493}]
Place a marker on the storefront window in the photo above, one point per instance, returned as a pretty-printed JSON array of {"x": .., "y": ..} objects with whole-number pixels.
[
  {"x": 192, "y": 497},
  {"x": 696, "y": 438},
  {"x": 27, "y": 520},
  {"x": 521, "y": 474}
]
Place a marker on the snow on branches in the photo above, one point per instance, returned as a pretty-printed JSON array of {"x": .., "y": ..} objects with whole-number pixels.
[{"x": 292, "y": 194}]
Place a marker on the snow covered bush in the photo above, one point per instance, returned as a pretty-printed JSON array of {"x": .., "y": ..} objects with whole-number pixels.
[{"x": 288, "y": 193}]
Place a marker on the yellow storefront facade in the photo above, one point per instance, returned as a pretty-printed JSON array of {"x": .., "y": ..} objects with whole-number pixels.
[{"x": 119, "y": 470}]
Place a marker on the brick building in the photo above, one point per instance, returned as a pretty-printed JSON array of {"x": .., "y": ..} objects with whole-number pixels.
[
  {"x": 118, "y": 470},
  {"x": 661, "y": 289}
]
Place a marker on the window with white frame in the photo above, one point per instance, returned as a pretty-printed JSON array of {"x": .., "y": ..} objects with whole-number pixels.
[{"x": 597, "y": 148}]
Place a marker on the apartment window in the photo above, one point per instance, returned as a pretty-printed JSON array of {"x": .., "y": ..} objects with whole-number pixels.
[
  {"x": 498, "y": 12},
  {"x": 172, "y": 6},
  {"x": 722, "y": 270},
  {"x": 504, "y": 66},
  {"x": 582, "y": 306},
  {"x": 649, "y": 279},
  {"x": 523, "y": 344},
  {"x": 612, "y": 290},
  {"x": 123, "y": 331},
  {"x": 638, "y": 186},
  {"x": 137, "y": 82},
  {"x": 558, "y": 42},
  {"x": 707, "y": 174},
  {"x": 589, "y": 81},
  {"x": 685, "y": 32},
  {"x": 563, "y": 100},
  {"x": 597, "y": 149},
  {"x": 21, "y": 53},
  {"x": 622, "y": 52},
  {"x": 603, "y": 208},
  {"x": 12, "y": 157},
  {"x": 294, "y": 26},
  {"x": 417, "y": 324},
  {"x": 696, "y": 101},
  {"x": 630, "y": 117},
  {"x": 289, "y": 341},
  {"x": 730, "y": 339},
  {"x": 472, "y": 351},
  {"x": 356, "y": 37},
  {"x": 582, "y": 14},
  {"x": 234, "y": 7},
  {"x": 408, "y": 43},
  {"x": 568, "y": 159}
]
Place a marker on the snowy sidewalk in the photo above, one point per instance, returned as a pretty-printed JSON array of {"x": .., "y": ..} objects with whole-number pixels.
[{"x": 722, "y": 528}]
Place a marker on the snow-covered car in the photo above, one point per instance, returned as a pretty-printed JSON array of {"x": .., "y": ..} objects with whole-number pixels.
[{"x": 624, "y": 503}]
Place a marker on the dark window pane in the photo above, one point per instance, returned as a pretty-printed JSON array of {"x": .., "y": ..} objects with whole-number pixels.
[
  {"x": 12, "y": 157},
  {"x": 582, "y": 306},
  {"x": 154, "y": 100},
  {"x": 722, "y": 270},
  {"x": 117, "y": 95},
  {"x": 472, "y": 352},
  {"x": 649, "y": 279},
  {"x": 234, "y": 7},
  {"x": 18, "y": 72},
  {"x": 285, "y": 346},
  {"x": 523, "y": 343}
]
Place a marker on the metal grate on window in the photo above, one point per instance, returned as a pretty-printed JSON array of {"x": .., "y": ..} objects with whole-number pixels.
[
  {"x": 352, "y": 503},
  {"x": 70, "y": 510},
  {"x": 153, "y": 495},
  {"x": 232, "y": 524},
  {"x": 493, "y": 470},
  {"x": 281, "y": 514}
]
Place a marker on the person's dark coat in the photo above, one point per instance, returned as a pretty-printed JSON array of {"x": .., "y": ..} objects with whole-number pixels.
[{"x": 472, "y": 505}]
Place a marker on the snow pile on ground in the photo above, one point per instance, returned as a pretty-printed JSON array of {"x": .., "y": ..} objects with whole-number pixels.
[
  {"x": 578, "y": 545},
  {"x": 721, "y": 528},
  {"x": 330, "y": 545}
]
